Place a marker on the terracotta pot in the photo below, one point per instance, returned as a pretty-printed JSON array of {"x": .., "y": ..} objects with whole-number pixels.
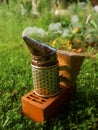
[{"x": 71, "y": 60}]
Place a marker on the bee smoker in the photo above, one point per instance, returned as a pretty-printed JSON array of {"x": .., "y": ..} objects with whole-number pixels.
[{"x": 45, "y": 69}]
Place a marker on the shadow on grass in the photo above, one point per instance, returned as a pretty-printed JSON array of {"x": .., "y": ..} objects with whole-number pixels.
[{"x": 79, "y": 113}]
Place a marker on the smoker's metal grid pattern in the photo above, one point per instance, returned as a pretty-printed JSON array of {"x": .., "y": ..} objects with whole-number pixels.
[{"x": 46, "y": 80}]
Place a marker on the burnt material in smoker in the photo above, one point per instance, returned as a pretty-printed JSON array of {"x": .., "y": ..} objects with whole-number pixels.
[{"x": 42, "y": 54}]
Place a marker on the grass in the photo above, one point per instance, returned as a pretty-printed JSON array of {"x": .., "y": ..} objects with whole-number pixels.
[{"x": 16, "y": 80}]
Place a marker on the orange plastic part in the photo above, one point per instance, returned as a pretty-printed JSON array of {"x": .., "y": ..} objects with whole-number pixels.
[{"x": 40, "y": 109}]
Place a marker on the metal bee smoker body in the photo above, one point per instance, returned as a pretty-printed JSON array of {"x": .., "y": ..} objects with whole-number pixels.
[{"x": 45, "y": 69}]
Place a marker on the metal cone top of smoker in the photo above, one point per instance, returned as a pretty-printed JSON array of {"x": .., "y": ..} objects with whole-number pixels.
[{"x": 38, "y": 49}]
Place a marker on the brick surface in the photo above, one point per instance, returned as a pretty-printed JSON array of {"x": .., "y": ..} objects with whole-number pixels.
[{"x": 39, "y": 109}]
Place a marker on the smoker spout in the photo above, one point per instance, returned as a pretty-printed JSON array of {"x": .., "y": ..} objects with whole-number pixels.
[{"x": 38, "y": 48}]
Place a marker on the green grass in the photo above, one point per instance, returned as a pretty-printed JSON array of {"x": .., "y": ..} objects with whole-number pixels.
[{"x": 16, "y": 81}]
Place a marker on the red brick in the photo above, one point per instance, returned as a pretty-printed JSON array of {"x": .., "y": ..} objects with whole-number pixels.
[{"x": 39, "y": 109}]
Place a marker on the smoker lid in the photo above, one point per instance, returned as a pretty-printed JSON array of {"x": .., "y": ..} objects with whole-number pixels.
[{"x": 39, "y": 49}]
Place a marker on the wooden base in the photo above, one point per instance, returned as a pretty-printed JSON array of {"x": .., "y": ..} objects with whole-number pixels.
[{"x": 40, "y": 109}]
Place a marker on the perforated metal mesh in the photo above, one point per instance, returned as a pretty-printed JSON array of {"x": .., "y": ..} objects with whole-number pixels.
[{"x": 46, "y": 80}]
